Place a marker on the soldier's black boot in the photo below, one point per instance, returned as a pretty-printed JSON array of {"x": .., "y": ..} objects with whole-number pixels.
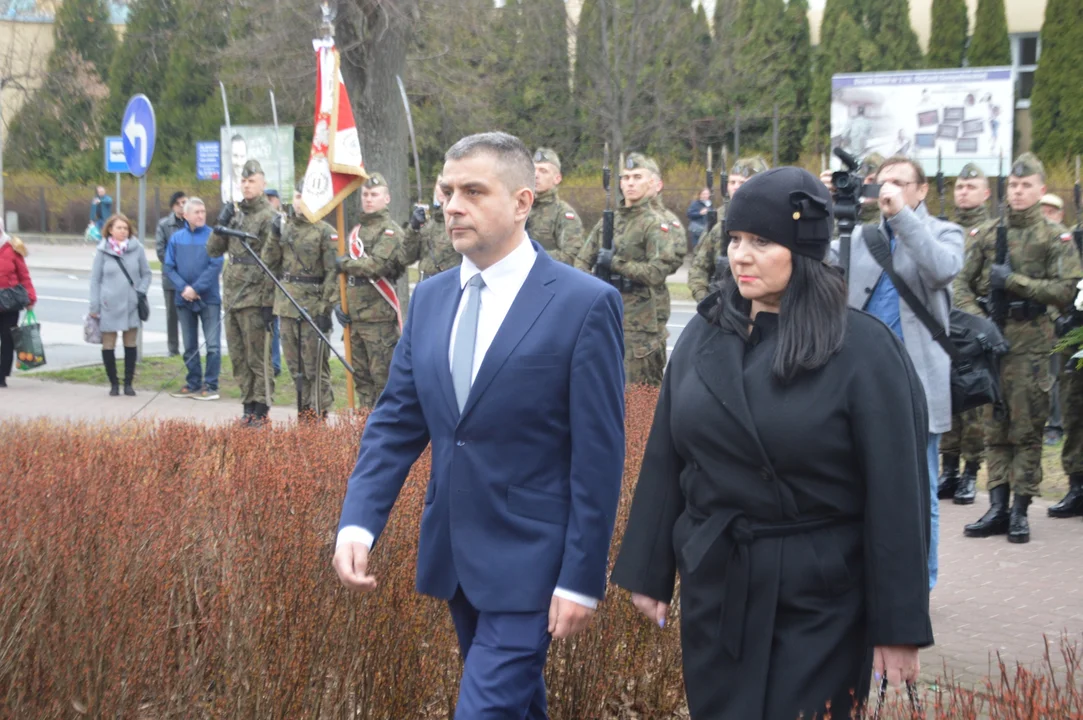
[
  {"x": 109, "y": 360},
  {"x": 247, "y": 417},
  {"x": 968, "y": 485},
  {"x": 1019, "y": 530},
  {"x": 129, "y": 370},
  {"x": 259, "y": 415},
  {"x": 949, "y": 476},
  {"x": 996, "y": 519},
  {"x": 1071, "y": 505}
]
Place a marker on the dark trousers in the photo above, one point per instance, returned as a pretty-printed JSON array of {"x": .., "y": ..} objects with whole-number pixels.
[
  {"x": 210, "y": 316},
  {"x": 503, "y": 658},
  {"x": 8, "y": 320},
  {"x": 171, "y": 320}
]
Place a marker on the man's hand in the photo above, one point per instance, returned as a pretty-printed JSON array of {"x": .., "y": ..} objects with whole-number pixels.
[
  {"x": 343, "y": 318},
  {"x": 340, "y": 263},
  {"x": 998, "y": 274},
  {"x": 189, "y": 294},
  {"x": 605, "y": 258},
  {"x": 268, "y": 315},
  {"x": 891, "y": 200},
  {"x": 567, "y": 618},
  {"x": 417, "y": 218},
  {"x": 899, "y": 662},
  {"x": 655, "y": 610},
  {"x": 226, "y": 214},
  {"x": 351, "y": 563},
  {"x": 825, "y": 178}
]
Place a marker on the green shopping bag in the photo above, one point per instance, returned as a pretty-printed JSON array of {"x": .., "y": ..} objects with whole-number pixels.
[{"x": 29, "y": 349}]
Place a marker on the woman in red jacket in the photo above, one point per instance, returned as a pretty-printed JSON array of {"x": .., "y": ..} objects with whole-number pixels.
[{"x": 12, "y": 272}]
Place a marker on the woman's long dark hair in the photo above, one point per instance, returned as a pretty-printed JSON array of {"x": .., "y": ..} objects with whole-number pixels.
[{"x": 811, "y": 318}]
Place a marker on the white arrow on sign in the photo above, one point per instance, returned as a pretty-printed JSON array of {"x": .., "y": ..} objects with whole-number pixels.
[{"x": 135, "y": 130}]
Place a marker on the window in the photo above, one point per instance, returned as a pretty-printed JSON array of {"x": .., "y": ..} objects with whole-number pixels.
[{"x": 1026, "y": 50}]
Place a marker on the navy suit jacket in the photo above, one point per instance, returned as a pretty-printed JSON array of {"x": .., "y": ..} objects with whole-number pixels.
[{"x": 525, "y": 482}]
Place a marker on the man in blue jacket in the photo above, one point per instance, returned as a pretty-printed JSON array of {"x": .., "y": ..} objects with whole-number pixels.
[{"x": 188, "y": 266}]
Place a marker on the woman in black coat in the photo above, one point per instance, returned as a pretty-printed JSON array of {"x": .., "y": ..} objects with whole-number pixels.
[{"x": 785, "y": 480}]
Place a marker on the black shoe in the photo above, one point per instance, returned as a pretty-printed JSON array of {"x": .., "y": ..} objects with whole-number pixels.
[
  {"x": 247, "y": 417},
  {"x": 1071, "y": 504},
  {"x": 996, "y": 520},
  {"x": 3, "y": 382},
  {"x": 109, "y": 360},
  {"x": 129, "y": 391},
  {"x": 949, "y": 477},
  {"x": 259, "y": 415},
  {"x": 130, "y": 354},
  {"x": 1019, "y": 530},
  {"x": 968, "y": 485}
]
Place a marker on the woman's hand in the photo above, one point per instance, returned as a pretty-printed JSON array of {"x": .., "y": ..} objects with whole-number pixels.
[
  {"x": 96, "y": 316},
  {"x": 655, "y": 610},
  {"x": 899, "y": 662}
]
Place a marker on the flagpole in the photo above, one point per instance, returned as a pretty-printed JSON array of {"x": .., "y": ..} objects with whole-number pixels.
[{"x": 340, "y": 222}]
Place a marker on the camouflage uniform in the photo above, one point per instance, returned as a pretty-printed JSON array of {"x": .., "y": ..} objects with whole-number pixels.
[
  {"x": 1045, "y": 269},
  {"x": 869, "y": 212},
  {"x": 1071, "y": 454},
  {"x": 245, "y": 288},
  {"x": 555, "y": 226},
  {"x": 301, "y": 254},
  {"x": 430, "y": 247},
  {"x": 374, "y": 327},
  {"x": 640, "y": 265}
]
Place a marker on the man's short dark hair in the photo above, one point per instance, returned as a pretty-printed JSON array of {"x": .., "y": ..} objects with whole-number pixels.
[
  {"x": 179, "y": 195},
  {"x": 919, "y": 172},
  {"x": 516, "y": 162}
]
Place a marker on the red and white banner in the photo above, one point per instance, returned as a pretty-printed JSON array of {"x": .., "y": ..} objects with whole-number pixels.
[
  {"x": 335, "y": 167},
  {"x": 383, "y": 286}
]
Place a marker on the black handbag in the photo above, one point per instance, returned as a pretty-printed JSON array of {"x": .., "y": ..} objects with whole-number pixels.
[
  {"x": 141, "y": 303},
  {"x": 13, "y": 299},
  {"x": 974, "y": 344}
]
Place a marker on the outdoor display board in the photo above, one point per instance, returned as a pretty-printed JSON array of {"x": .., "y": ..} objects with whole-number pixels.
[
  {"x": 964, "y": 114},
  {"x": 257, "y": 142}
]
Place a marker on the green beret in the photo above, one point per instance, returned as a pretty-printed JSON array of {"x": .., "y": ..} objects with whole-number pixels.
[
  {"x": 547, "y": 155},
  {"x": 375, "y": 180},
  {"x": 642, "y": 162},
  {"x": 252, "y": 167},
  {"x": 871, "y": 164},
  {"x": 971, "y": 171},
  {"x": 749, "y": 166},
  {"x": 1026, "y": 165}
]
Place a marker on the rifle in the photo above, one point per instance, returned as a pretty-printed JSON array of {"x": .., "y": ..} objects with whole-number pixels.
[
  {"x": 607, "y": 218},
  {"x": 712, "y": 211},
  {"x": 724, "y": 177},
  {"x": 1077, "y": 234},
  {"x": 940, "y": 183},
  {"x": 998, "y": 299}
]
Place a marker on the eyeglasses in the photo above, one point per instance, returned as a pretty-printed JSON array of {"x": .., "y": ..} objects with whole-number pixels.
[{"x": 899, "y": 184}]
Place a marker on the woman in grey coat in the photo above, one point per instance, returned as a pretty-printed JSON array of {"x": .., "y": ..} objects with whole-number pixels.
[{"x": 114, "y": 300}]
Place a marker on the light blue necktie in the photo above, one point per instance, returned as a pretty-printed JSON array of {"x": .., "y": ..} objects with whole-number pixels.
[{"x": 462, "y": 359}]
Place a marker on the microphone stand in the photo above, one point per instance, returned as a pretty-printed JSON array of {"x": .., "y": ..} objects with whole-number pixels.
[{"x": 304, "y": 317}]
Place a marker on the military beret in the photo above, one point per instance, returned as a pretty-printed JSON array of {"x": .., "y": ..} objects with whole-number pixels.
[
  {"x": 271, "y": 192},
  {"x": 375, "y": 180},
  {"x": 787, "y": 205},
  {"x": 641, "y": 162},
  {"x": 1026, "y": 165},
  {"x": 252, "y": 167},
  {"x": 970, "y": 171},
  {"x": 870, "y": 164},
  {"x": 749, "y": 166},
  {"x": 1052, "y": 201},
  {"x": 547, "y": 155}
]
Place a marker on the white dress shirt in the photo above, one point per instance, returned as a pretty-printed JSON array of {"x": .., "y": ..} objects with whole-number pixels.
[{"x": 503, "y": 280}]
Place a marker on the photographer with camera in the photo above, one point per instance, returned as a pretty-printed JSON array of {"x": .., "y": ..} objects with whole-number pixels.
[{"x": 926, "y": 254}]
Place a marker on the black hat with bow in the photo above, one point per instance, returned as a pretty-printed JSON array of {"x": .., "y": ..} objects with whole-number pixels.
[{"x": 786, "y": 205}]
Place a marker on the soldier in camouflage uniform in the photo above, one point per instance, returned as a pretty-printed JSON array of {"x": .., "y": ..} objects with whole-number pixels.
[
  {"x": 639, "y": 261},
  {"x": 869, "y": 211},
  {"x": 711, "y": 251},
  {"x": 246, "y": 293},
  {"x": 427, "y": 242},
  {"x": 301, "y": 254},
  {"x": 1041, "y": 270},
  {"x": 966, "y": 437},
  {"x": 372, "y": 321},
  {"x": 553, "y": 223},
  {"x": 1071, "y": 455}
]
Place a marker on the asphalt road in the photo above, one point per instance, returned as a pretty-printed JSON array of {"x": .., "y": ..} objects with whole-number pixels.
[{"x": 63, "y": 300}]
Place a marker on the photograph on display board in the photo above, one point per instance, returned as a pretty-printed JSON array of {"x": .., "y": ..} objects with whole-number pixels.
[
  {"x": 964, "y": 115},
  {"x": 257, "y": 142}
]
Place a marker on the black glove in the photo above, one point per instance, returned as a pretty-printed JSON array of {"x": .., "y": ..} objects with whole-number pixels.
[
  {"x": 605, "y": 258},
  {"x": 226, "y": 214},
  {"x": 268, "y": 315},
  {"x": 340, "y": 263},
  {"x": 343, "y": 318},
  {"x": 998, "y": 274},
  {"x": 276, "y": 225},
  {"x": 323, "y": 323},
  {"x": 417, "y": 218}
]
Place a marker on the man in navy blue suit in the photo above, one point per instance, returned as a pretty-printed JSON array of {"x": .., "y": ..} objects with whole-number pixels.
[{"x": 512, "y": 367}]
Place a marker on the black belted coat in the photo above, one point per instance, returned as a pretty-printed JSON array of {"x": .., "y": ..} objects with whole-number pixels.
[{"x": 797, "y": 516}]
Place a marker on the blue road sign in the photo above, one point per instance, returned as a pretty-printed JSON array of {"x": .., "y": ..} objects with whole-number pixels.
[
  {"x": 114, "y": 155},
  {"x": 208, "y": 160},
  {"x": 138, "y": 132}
]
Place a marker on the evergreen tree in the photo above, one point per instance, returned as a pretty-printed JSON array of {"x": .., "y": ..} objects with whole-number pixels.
[
  {"x": 947, "y": 40},
  {"x": 892, "y": 43},
  {"x": 82, "y": 27},
  {"x": 794, "y": 120},
  {"x": 140, "y": 62},
  {"x": 1056, "y": 105},
  {"x": 990, "y": 45},
  {"x": 842, "y": 41},
  {"x": 763, "y": 72}
]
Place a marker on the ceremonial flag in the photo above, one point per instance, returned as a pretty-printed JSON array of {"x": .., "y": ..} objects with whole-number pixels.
[{"x": 383, "y": 286}]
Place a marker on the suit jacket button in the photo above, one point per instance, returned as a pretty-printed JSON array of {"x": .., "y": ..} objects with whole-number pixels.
[
  {"x": 460, "y": 443},
  {"x": 868, "y": 291}
]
